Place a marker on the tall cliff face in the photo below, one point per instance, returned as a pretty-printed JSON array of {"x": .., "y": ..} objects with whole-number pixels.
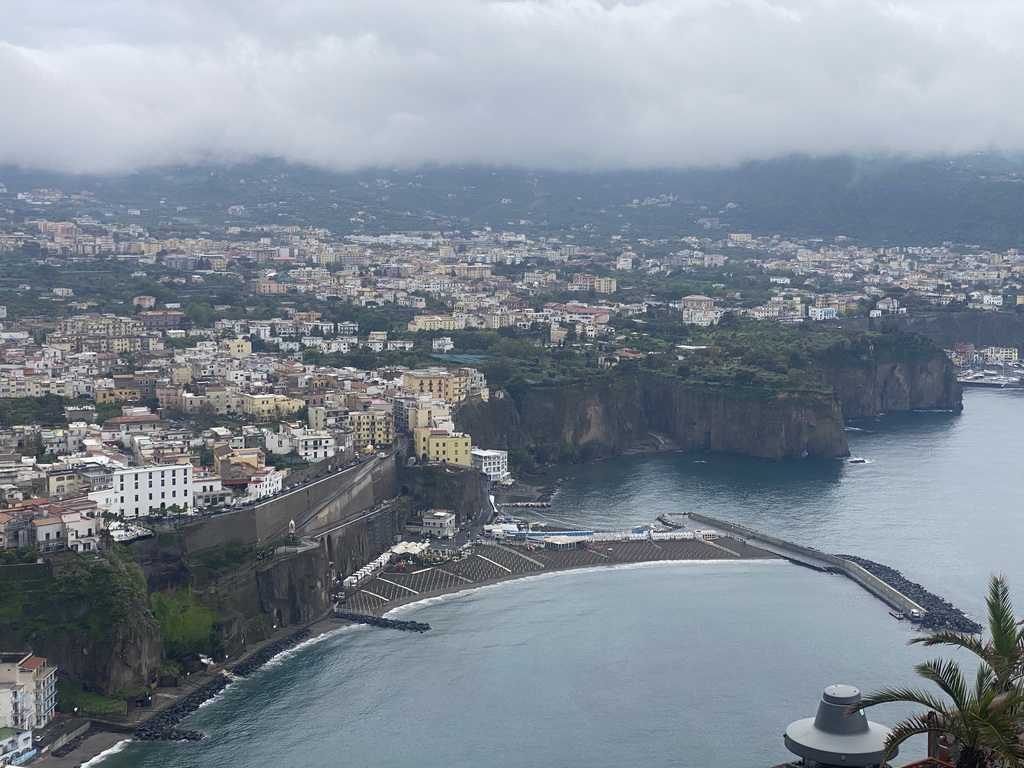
[
  {"x": 922, "y": 383},
  {"x": 607, "y": 418},
  {"x": 434, "y": 487},
  {"x": 773, "y": 425},
  {"x": 92, "y": 618}
]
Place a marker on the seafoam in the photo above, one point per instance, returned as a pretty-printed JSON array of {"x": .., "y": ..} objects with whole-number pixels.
[{"x": 121, "y": 745}]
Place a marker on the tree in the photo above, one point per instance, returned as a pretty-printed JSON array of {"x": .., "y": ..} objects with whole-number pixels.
[
  {"x": 980, "y": 719},
  {"x": 984, "y": 720},
  {"x": 1004, "y": 650}
]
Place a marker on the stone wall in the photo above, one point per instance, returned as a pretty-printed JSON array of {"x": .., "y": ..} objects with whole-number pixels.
[{"x": 312, "y": 505}]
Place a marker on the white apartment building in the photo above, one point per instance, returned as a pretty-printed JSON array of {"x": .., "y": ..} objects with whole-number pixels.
[
  {"x": 208, "y": 490},
  {"x": 136, "y": 490},
  {"x": 492, "y": 463},
  {"x": 311, "y": 445},
  {"x": 439, "y": 523},
  {"x": 28, "y": 690},
  {"x": 264, "y": 483},
  {"x": 822, "y": 313}
]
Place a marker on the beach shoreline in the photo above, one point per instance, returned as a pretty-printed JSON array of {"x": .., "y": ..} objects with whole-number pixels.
[
  {"x": 110, "y": 735},
  {"x": 460, "y": 588}
]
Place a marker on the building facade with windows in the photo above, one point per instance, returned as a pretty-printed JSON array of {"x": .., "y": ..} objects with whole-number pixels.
[
  {"x": 137, "y": 490},
  {"x": 492, "y": 463},
  {"x": 28, "y": 690}
]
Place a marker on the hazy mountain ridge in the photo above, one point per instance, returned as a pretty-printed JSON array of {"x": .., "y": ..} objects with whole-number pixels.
[{"x": 883, "y": 200}]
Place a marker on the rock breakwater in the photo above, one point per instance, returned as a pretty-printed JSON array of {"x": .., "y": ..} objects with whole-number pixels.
[
  {"x": 941, "y": 614},
  {"x": 163, "y": 725},
  {"x": 380, "y": 621}
]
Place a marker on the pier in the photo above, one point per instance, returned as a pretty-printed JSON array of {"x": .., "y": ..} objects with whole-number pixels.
[{"x": 889, "y": 585}]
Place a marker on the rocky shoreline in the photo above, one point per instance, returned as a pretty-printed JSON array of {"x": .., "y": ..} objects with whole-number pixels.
[{"x": 163, "y": 725}]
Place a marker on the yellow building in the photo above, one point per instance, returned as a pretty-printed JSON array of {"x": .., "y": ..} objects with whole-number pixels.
[
  {"x": 436, "y": 323},
  {"x": 441, "y": 446},
  {"x": 376, "y": 428},
  {"x": 437, "y": 382},
  {"x": 267, "y": 286},
  {"x": 117, "y": 395},
  {"x": 181, "y": 375},
  {"x": 605, "y": 285},
  {"x": 238, "y": 464},
  {"x": 235, "y": 347},
  {"x": 264, "y": 408}
]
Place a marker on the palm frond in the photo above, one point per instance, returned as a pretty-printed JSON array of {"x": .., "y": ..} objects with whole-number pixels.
[
  {"x": 915, "y": 725},
  {"x": 899, "y": 694},
  {"x": 946, "y": 674},
  {"x": 969, "y": 643},
  {"x": 997, "y": 730},
  {"x": 1007, "y": 638}
]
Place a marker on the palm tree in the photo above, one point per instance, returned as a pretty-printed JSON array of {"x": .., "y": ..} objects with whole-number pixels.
[
  {"x": 983, "y": 720},
  {"x": 1004, "y": 651}
]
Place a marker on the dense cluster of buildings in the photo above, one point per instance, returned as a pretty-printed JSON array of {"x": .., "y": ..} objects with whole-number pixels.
[{"x": 62, "y": 488}]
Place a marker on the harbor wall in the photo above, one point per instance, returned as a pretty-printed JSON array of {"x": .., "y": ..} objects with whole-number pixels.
[{"x": 813, "y": 558}]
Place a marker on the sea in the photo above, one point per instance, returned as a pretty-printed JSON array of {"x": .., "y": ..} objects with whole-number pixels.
[{"x": 656, "y": 665}]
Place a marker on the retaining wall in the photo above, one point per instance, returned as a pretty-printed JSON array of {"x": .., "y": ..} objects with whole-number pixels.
[
  {"x": 808, "y": 556},
  {"x": 332, "y": 499}
]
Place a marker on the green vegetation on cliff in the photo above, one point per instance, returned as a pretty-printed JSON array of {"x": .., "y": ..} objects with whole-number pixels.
[
  {"x": 744, "y": 386},
  {"x": 90, "y": 614},
  {"x": 74, "y": 595},
  {"x": 188, "y": 629}
]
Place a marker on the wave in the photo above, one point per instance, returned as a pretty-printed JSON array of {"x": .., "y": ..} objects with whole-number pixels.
[
  {"x": 120, "y": 746},
  {"x": 283, "y": 656},
  {"x": 511, "y": 581}
]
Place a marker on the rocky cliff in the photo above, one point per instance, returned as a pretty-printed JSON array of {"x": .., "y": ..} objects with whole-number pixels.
[
  {"x": 927, "y": 383},
  {"x": 608, "y": 417},
  {"x": 434, "y": 487},
  {"x": 90, "y": 617}
]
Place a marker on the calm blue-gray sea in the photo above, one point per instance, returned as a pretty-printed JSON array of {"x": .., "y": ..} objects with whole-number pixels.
[{"x": 683, "y": 664}]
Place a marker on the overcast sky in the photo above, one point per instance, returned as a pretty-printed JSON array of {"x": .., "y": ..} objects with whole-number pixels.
[{"x": 93, "y": 85}]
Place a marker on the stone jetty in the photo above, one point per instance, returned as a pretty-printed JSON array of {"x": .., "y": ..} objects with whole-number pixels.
[
  {"x": 940, "y": 613},
  {"x": 380, "y": 621},
  {"x": 163, "y": 725}
]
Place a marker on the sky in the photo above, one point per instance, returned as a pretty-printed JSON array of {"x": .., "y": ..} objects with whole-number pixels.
[{"x": 112, "y": 85}]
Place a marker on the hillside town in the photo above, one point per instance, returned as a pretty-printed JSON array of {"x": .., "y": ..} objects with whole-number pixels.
[
  {"x": 206, "y": 406},
  {"x": 180, "y": 404}
]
